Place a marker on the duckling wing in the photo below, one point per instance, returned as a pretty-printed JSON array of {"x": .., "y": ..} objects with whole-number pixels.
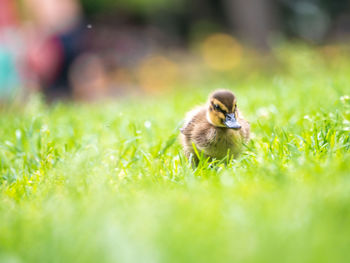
[
  {"x": 198, "y": 130},
  {"x": 190, "y": 118},
  {"x": 204, "y": 135}
]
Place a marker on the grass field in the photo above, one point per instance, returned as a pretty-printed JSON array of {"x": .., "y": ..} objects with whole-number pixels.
[{"x": 108, "y": 182}]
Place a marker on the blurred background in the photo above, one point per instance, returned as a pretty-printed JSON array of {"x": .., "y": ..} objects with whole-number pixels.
[{"x": 87, "y": 49}]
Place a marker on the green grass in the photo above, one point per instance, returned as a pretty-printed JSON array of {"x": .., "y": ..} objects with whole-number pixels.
[{"x": 108, "y": 182}]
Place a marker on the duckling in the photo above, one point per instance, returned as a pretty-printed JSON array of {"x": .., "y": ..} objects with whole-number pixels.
[{"x": 216, "y": 129}]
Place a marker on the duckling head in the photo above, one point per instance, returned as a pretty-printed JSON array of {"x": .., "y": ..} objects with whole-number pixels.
[{"x": 222, "y": 109}]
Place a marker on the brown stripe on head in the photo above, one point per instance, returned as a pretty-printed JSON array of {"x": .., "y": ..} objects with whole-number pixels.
[
  {"x": 221, "y": 105},
  {"x": 225, "y": 98}
]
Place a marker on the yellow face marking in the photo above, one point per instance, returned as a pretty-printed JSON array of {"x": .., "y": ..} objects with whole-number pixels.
[
  {"x": 217, "y": 118},
  {"x": 222, "y": 106},
  {"x": 220, "y": 115},
  {"x": 234, "y": 105}
]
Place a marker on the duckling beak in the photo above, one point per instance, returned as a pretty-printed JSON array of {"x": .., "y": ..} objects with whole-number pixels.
[{"x": 231, "y": 121}]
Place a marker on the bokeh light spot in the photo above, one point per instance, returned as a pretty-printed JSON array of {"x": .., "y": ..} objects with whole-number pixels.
[
  {"x": 157, "y": 73},
  {"x": 221, "y": 52}
]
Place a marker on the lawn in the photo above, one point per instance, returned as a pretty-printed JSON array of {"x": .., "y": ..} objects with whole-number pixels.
[{"x": 107, "y": 182}]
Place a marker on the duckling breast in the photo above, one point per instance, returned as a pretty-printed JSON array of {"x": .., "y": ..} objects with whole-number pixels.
[{"x": 227, "y": 142}]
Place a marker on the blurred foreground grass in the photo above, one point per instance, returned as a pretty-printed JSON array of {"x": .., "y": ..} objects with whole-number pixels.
[{"x": 108, "y": 182}]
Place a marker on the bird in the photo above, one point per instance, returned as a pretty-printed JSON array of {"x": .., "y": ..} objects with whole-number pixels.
[{"x": 216, "y": 129}]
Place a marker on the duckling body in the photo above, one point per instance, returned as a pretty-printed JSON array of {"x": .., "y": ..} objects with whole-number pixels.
[{"x": 216, "y": 129}]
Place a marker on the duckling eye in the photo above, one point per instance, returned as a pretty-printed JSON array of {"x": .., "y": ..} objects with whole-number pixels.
[{"x": 217, "y": 107}]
